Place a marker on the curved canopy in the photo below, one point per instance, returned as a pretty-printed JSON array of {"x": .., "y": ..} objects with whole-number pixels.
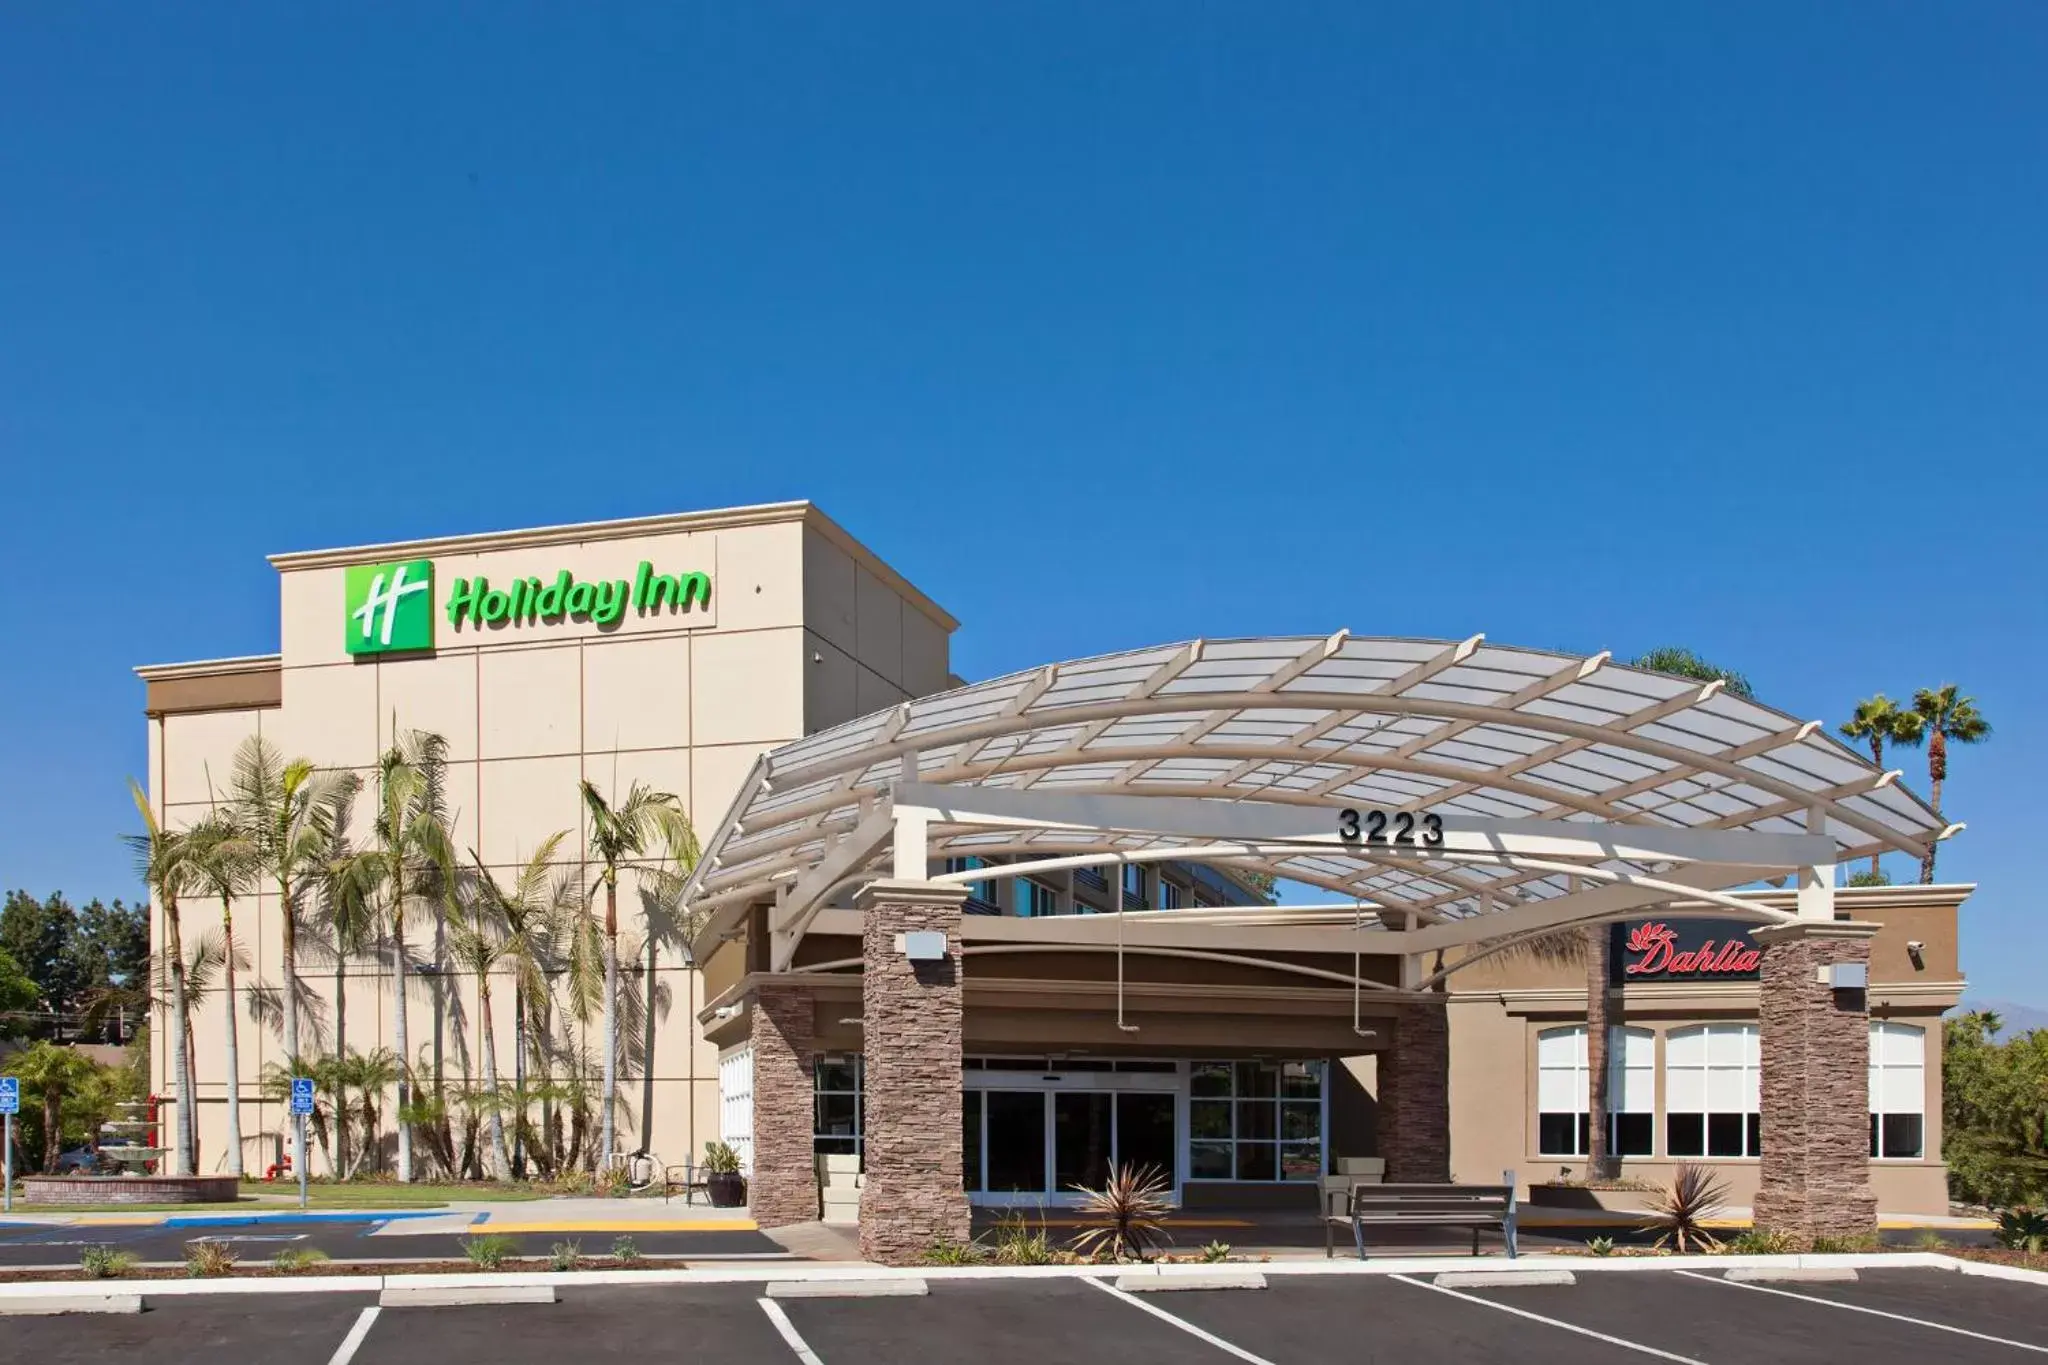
[{"x": 1479, "y": 735}]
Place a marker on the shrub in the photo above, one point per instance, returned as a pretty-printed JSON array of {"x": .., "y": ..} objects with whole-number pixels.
[
  {"x": 1216, "y": 1251},
  {"x": 1930, "y": 1240},
  {"x": 1761, "y": 1242},
  {"x": 1601, "y": 1246},
  {"x": 297, "y": 1260},
  {"x": 948, "y": 1252},
  {"x": 207, "y": 1259},
  {"x": 489, "y": 1250},
  {"x": 625, "y": 1251},
  {"x": 618, "y": 1181},
  {"x": 102, "y": 1262},
  {"x": 1015, "y": 1242},
  {"x": 2023, "y": 1229},
  {"x": 720, "y": 1159},
  {"x": 565, "y": 1256},
  {"x": 1680, "y": 1213},
  {"x": 1128, "y": 1212}
]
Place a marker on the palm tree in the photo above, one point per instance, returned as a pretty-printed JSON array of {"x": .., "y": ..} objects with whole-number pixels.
[
  {"x": 345, "y": 924},
  {"x": 1681, "y": 662},
  {"x": 285, "y": 806},
  {"x": 508, "y": 927},
  {"x": 1945, "y": 717},
  {"x": 411, "y": 864},
  {"x": 225, "y": 859},
  {"x": 1876, "y": 721},
  {"x": 164, "y": 865},
  {"x": 618, "y": 834},
  {"x": 661, "y": 901},
  {"x": 369, "y": 1074},
  {"x": 52, "y": 1072}
]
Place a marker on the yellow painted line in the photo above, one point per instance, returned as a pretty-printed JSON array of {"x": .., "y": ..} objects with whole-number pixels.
[{"x": 624, "y": 1225}]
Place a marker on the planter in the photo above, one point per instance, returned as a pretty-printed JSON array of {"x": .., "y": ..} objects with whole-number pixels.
[
  {"x": 128, "y": 1189},
  {"x": 1613, "y": 1198},
  {"x": 728, "y": 1189}
]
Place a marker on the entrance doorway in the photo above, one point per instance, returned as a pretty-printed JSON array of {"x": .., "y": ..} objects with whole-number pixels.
[{"x": 1032, "y": 1133}]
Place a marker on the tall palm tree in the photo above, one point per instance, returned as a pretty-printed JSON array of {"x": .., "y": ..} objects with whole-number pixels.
[
  {"x": 285, "y": 807},
  {"x": 225, "y": 858},
  {"x": 164, "y": 864},
  {"x": 410, "y": 865},
  {"x": 508, "y": 927},
  {"x": 1877, "y": 721},
  {"x": 1946, "y": 717},
  {"x": 645, "y": 819},
  {"x": 344, "y": 925},
  {"x": 661, "y": 901}
]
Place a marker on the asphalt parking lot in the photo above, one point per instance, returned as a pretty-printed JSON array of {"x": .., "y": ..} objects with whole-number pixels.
[{"x": 1888, "y": 1316}]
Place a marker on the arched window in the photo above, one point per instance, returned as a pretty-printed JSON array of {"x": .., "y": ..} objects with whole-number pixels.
[
  {"x": 1898, "y": 1090},
  {"x": 1711, "y": 1091},
  {"x": 1562, "y": 1091}
]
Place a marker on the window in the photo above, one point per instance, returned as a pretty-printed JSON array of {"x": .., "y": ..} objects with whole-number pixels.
[
  {"x": 985, "y": 892},
  {"x": 1711, "y": 1091},
  {"x": 1898, "y": 1090},
  {"x": 1562, "y": 1091},
  {"x": 1134, "y": 884},
  {"x": 1171, "y": 896},
  {"x": 1036, "y": 898},
  {"x": 838, "y": 1104},
  {"x": 1255, "y": 1121}
]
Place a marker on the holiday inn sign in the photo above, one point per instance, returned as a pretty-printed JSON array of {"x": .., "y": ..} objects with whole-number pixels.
[{"x": 390, "y": 607}]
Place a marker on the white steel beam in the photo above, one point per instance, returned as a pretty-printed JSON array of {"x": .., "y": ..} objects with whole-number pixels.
[{"x": 1181, "y": 661}]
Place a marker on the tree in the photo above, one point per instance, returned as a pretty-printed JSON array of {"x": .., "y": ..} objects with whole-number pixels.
[
  {"x": 284, "y": 808},
  {"x": 1994, "y": 1098},
  {"x": 508, "y": 927},
  {"x": 661, "y": 904},
  {"x": 344, "y": 925},
  {"x": 1946, "y": 717},
  {"x": 38, "y": 935},
  {"x": 49, "y": 1073},
  {"x": 110, "y": 943},
  {"x": 226, "y": 860},
  {"x": 410, "y": 865},
  {"x": 618, "y": 834},
  {"x": 18, "y": 996},
  {"x": 1684, "y": 663},
  {"x": 1877, "y": 721},
  {"x": 164, "y": 864}
]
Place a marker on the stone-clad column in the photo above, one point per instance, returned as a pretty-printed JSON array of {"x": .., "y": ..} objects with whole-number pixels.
[
  {"x": 1415, "y": 1097},
  {"x": 783, "y": 1188},
  {"x": 1814, "y": 1177},
  {"x": 911, "y": 1016}
]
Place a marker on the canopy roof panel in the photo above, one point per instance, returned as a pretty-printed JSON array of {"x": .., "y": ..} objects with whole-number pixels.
[{"x": 1458, "y": 728}]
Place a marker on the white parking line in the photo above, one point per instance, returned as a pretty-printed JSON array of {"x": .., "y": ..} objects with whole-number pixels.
[
  {"x": 350, "y": 1343},
  {"x": 1218, "y": 1342},
  {"x": 1859, "y": 1308},
  {"x": 1552, "y": 1322},
  {"x": 790, "y": 1335}
]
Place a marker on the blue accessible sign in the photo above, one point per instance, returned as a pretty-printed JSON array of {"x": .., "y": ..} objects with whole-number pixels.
[
  {"x": 10, "y": 1095},
  {"x": 302, "y": 1094}
]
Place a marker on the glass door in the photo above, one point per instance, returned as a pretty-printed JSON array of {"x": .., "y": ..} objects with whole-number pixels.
[
  {"x": 1015, "y": 1133},
  {"x": 1082, "y": 1139},
  {"x": 1144, "y": 1131}
]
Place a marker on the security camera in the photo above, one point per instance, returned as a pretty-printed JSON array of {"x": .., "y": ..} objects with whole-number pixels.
[
  {"x": 1914, "y": 945},
  {"x": 725, "y": 1011}
]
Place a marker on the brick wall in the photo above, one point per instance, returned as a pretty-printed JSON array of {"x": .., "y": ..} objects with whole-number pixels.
[
  {"x": 1415, "y": 1097},
  {"x": 911, "y": 1016},
  {"x": 1814, "y": 1175},
  {"x": 784, "y": 1186}
]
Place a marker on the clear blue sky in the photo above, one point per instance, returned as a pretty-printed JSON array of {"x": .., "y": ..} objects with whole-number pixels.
[{"x": 1588, "y": 327}]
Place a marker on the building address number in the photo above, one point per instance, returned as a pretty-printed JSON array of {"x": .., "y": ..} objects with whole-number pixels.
[{"x": 1370, "y": 827}]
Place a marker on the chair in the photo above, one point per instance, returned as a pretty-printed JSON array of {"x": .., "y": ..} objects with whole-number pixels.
[{"x": 686, "y": 1178}]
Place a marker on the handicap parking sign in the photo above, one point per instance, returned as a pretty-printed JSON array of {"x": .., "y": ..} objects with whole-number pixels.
[
  {"x": 10, "y": 1095},
  {"x": 302, "y": 1094}
]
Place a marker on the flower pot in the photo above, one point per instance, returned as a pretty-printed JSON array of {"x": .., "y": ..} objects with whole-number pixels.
[{"x": 728, "y": 1189}]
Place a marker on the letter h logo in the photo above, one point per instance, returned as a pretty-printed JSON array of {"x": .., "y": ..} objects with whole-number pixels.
[{"x": 390, "y": 607}]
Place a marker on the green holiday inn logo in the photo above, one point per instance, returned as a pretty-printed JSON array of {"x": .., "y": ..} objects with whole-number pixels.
[{"x": 390, "y": 607}]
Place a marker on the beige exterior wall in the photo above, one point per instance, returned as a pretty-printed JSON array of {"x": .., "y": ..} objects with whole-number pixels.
[
  {"x": 805, "y": 628},
  {"x": 1499, "y": 1006}
]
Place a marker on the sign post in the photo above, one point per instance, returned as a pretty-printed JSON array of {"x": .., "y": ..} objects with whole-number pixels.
[
  {"x": 302, "y": 1105},
  {"x": 10, "y": 1105}
]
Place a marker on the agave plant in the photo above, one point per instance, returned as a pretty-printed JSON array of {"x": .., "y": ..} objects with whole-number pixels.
[
  {"x": 1680, "y": 1213},
  {"x": 1128, "y": 1214},
  {"x": 2023, "y": 1229}
]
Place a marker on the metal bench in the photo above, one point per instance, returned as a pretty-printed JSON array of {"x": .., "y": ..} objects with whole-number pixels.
[
  {"x": 1473, "y": 1206},
  {"x": 688, "y": 1178}
]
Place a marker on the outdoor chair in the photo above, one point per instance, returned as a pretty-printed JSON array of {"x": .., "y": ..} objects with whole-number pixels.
[{"x": 1473, "y": 1206}]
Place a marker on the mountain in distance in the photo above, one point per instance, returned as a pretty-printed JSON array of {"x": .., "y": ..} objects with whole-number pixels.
[{"x": 2016, "y": 1017}]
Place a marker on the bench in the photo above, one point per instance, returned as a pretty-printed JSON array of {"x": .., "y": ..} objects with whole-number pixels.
[{"x": 1473, "y": 1206}]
